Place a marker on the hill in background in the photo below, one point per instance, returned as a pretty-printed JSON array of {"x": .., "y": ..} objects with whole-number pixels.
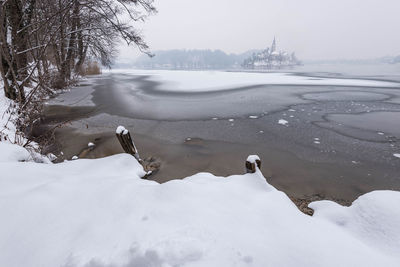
[
  {"x": 197, "y": 59},
  {"x": 189, "y": 59}
]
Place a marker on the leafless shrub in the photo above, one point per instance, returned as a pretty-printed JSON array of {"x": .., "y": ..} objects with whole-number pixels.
[
  {"x": 90, "y": 68},
  {"x": 44, "y": 44}
]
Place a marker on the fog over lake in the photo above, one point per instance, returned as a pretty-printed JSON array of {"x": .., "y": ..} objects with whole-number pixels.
[{"x": 315, "y": 29}]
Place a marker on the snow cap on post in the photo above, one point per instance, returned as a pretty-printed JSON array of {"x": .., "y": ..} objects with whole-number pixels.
[
  {"x": 120, "y": 129},
  {"x": 253, "y": 158},
  {"x": 126, "y": 141},
  {"x": 253, "y": 163}
]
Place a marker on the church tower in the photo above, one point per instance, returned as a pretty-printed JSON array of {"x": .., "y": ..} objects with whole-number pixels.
[{"x": 273, "y": 47}]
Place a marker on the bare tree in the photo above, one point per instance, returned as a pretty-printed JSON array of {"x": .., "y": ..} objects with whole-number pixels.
[{"x": 46, "y": 41}]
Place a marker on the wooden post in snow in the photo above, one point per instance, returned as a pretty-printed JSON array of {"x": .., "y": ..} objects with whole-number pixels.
[
  {"x": 126, "y": 141},
  {"x": 252, "y": 163}
]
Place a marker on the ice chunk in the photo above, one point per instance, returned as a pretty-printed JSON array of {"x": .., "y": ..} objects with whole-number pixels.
[{"x": 283, "y": 122}]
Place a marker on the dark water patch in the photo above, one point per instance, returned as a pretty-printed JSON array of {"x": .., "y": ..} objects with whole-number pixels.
[{"x": 59, "y": 113}]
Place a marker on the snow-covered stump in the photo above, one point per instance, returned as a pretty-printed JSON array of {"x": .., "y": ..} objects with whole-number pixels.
[
  {"x": 150, "y": 164},
  {"x": 252, "y": 163},
  {"x": 126, "y": 141}
]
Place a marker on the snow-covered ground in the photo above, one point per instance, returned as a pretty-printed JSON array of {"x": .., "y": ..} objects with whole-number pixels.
[
  {"x": 100, "y": 213},
  {"x": 96, "y": 213},
  {"x": 193, "y": 81}
]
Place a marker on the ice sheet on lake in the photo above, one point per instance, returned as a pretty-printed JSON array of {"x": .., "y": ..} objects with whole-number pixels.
[
  {"x": 220, "y": 80},
  {"x": 380, "y": 122},
  {"x": 193, "y": 95},
  {"x": 346, "y": 96}
]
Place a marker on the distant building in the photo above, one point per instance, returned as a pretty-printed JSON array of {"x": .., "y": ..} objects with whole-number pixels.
[{"x": 271, "y": 58}]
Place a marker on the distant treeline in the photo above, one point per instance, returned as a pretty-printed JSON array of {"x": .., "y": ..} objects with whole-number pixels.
[
  {"x": 395, "y": 60},
  {"x": 217, "y": 59},
  {"x": 190, "y": 59}
]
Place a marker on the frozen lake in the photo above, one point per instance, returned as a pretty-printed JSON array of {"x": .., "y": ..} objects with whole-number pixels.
[{"x": 339, "y": 135}]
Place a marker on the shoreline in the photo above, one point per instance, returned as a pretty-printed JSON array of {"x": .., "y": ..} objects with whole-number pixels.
[
  {"x": 186, "y": 155},
  {"x": 302, "y": 176},
  {"x": 220, "y": 158}
]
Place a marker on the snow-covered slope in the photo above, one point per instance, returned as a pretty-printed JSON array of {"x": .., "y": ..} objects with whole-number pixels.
[{"x": 100, "y": 213}]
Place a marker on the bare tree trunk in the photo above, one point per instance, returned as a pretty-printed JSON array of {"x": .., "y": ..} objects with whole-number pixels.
[
  {"x": 80, "y": 46},
  {"x": 9, "y": 91},
  {"x": 69, "y": 60},
  {"x": 38, "y": 34},
  {"x": 20, "y": 19},
  {"x": 63, "y": 66}
]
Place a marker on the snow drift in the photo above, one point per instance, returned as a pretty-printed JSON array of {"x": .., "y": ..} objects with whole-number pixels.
[{"x": 100, "y": 213}]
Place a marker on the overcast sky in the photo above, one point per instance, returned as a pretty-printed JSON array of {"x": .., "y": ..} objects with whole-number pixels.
[{"x": 314, "y": 29}]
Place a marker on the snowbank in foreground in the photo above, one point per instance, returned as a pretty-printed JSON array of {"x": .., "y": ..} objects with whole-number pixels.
[
  {"x": 100, "y": 213},
  {"x": 10, "y": 152},
  {"x": 192, "y": 81}
]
